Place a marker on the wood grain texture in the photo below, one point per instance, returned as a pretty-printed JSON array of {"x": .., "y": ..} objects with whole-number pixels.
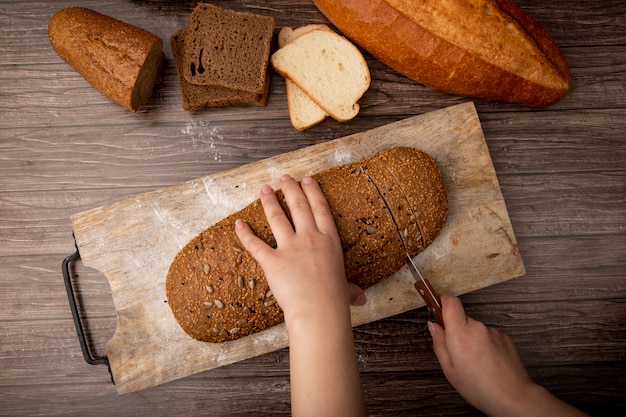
[{"x": 65, "y": 149}]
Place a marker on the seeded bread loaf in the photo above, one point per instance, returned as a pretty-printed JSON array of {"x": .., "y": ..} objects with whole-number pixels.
[
  {"x": 121, "y": 61},
  {"x": 218, "y": 292},
  {"x": 228, "y": 48},
  {"x": 196, "y": 97},
  {"x": 477, "y": 48}
]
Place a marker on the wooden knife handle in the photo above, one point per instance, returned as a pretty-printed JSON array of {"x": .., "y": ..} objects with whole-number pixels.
[{"x": 432, "y": 299}]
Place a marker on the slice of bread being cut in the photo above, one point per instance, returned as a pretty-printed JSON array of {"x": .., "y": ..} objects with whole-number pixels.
[
  {"x": 227, "y": 48},
  {"x": 328, "y": 68},
  {"x": 303, "y": 111}
]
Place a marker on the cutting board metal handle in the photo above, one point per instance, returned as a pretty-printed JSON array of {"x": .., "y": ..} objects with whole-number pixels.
[{"x": 77, "y": 320}]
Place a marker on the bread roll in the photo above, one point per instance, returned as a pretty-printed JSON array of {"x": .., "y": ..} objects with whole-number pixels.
[
  {"x": 218, "y": 292},
  {"x": 477, "y": 48},
  {"x": 121, "y": 61}
]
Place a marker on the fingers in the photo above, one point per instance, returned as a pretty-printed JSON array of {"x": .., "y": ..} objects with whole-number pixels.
[
  {"x": 319, "y": 206},
  {"x": 251, "y": 242},
  {"x": 298, "y": 202},
  {"x": 453, "y": 313},
  {"x": 307, "y": 204},
  {"x": 454, "y": 317},
  {"x": 357, "y": 295},
  {"x": 278, "y": 221},
  {"x": 439, "y": 344}
]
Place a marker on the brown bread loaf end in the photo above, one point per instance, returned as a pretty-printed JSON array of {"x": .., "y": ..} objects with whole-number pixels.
[
  {"x": 218, "y": 292},
  {"x": 475, "y": 48},
  {"x": 120, "y": 60}
]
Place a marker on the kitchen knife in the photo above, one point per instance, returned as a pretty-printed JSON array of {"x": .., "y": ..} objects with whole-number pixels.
[
  {"x": 428, "y": 293},
  {"x": 422, "y": 285}
]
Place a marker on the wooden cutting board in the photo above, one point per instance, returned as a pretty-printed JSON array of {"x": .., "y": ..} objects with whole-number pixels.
[{"x": 134, "y": 241}]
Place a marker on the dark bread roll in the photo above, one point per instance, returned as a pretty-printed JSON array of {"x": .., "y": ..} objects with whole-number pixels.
[
  {"x": 476, "y": 48},
  {"x": 122, "y": 61},
  {"x": 218, "y": 292}
]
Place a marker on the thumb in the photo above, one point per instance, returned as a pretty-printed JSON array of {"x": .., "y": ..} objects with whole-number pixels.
[
  {"x": 251, "y": 242},
  {"x": 453, "y": 313},
  {"x": 357, "y": 295}
]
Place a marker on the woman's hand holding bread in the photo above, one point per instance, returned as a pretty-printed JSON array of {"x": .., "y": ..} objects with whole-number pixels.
[{"x": 305, "y": 272}]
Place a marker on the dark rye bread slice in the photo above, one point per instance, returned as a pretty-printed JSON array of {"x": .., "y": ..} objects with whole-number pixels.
[
  {"x": 218, "y": 292},
  {"x": 196, "y": 97},
  {"x": 228, "y": 48}
]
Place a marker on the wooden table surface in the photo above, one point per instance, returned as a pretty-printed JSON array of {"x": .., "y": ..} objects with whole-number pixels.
[{"x": 64, "y": 149}]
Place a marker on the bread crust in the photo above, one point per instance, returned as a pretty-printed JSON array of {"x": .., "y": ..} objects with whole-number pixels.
[
  {"x": 397, "y": 39},
  {"x": 218, "y": 292},
  {"x": 122, "y": 61}
]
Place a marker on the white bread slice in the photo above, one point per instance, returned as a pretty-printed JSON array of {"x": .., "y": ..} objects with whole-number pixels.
[
  {"x": 303, "y": 112},
  {"x": 328, "y": 68},
  {"x": 288, "y": 34}
]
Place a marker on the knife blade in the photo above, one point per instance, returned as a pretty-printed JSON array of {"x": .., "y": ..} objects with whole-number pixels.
[
  {"x": 422, "y": 285},
  {"x": 428, "y": 293}
]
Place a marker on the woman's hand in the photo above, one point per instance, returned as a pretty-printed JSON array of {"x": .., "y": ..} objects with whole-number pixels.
[
  {"x": 306, "y": 270},
  {"x": 484, "y": 366},
  {"x": 306, "y": 275}
]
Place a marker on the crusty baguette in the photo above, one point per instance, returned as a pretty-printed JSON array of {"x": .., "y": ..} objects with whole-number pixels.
[
  {"x": 303, "y": 112},
  {"x": 218, "y": 292},
  {"x": 120, "y": 60},
  {"x": 476, "y": 48},
  {"x": 328, "y": 68}
]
